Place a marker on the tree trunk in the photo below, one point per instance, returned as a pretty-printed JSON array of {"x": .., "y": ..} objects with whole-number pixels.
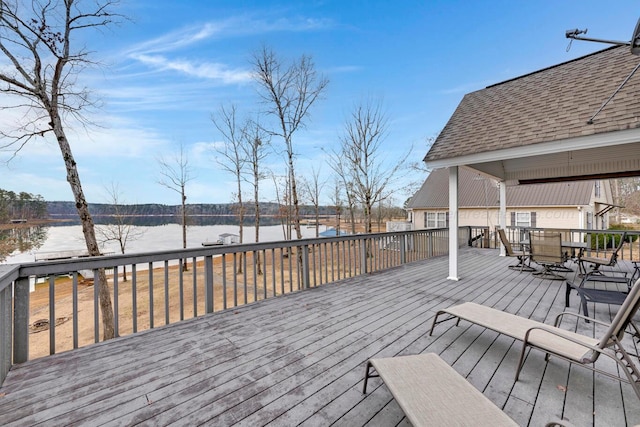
[{"x": 88, "y": 228}]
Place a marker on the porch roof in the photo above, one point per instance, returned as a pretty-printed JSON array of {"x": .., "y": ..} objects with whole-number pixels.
[{"x": 537, "y": 128}]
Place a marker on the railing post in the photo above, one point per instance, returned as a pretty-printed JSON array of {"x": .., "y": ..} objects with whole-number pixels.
[
  {"x": 6, "y": 333},
  {"x": 305, "y": 267},
  {"x": 21, "y": 321},
  {"x": 403, "y": 249},
  {"x": 208, "y": 285}
]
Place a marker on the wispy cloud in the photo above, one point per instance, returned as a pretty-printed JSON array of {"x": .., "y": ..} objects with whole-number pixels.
[
  {"x": 199, "y": 69},
  {"x": 156, "y": 53},
  {"x": 237, "y": 26},
  {"x": 177, "y": 39}
]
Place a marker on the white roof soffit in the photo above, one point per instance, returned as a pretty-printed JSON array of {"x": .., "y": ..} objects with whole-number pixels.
[{"x": 585, "y": 155}]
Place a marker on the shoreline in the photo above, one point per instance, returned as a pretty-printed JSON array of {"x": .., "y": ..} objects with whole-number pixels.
[{"x": 32, "y": 223}]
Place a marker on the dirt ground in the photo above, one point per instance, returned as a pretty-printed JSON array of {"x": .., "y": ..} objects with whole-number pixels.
[{"x": 39, "y": 338}]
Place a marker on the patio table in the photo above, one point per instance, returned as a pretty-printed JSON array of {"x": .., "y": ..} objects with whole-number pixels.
[{"x": 604, "y": 296}]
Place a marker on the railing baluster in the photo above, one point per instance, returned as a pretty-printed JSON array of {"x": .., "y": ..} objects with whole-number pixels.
[
  {"x": 151, "y": 315},
  {"x": 334, "y": 255},
  {"x": 181, "y": 291},
  {"x": 290, "y": 270},
  {"x": 74, "y": 303},
  {"x": 352, "y": 259},
  {"x": 243, "y": 260},
  {"x": 326, "y": 267},
  {"x": 116, "y": 304},
  {"x": 264, "y": 272},
  {"x": 166, "y": 292},
  {"x": 96, "y": 306},
  {"x": 235, "y": 280},
  {"x": 134, "y": 296},
  {"x": 224, "y": 281},
  {"x": 255, "y": 278},
  {"x": 52, "y": 315},
  {"x": 194, "y": 286},
  {"x": 305, "y": 267},
  {"x": 281, "y": 271}
]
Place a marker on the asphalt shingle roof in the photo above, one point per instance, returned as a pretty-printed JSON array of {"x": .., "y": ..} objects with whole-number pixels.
[{"x": 548, "y": 105}]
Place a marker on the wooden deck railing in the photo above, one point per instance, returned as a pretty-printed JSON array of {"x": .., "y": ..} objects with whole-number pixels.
[
  {"x": 599, "y": 242},
  {"x": 171, "y": 286}
]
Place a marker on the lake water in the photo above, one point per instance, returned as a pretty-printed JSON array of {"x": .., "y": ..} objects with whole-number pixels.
[{"x": 163, "y": 237}]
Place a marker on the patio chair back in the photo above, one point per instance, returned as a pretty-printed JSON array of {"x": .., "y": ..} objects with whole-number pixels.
[
  {"x": 546, "y": 248},
  {"x": 625, "y": 315},
  {"x": 598, "y": 262},
  {"x": 614, "y": 256},
  {"x": 505, "y": 242}
]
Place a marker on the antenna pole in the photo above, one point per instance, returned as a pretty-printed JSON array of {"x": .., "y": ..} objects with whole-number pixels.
[
  {"x": 590, "y": 121},
  {"x": 589, "y": 39}
]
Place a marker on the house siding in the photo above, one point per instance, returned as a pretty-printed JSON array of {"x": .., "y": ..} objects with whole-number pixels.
[
  {"x": 547, "y": 217},
  {"x": 553, "y": 205}
]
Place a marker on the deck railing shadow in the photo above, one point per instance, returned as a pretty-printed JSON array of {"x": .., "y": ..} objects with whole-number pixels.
[{"x": 170, "y": 286}]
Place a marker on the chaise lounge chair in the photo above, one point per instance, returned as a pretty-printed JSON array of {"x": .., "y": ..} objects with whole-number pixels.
[
  {"x": 553, "y": 340},
  {"x": 432, "y": 393}
]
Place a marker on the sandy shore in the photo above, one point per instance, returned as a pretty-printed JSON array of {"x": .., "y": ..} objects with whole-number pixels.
[{"x": 39, "y": 342}]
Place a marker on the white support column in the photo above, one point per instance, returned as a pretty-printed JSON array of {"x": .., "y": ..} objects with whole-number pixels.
[
  {"x": 581, "y": 218},
  {"x": 503, "y": 211},
  {"x": 453, "y": 223}
]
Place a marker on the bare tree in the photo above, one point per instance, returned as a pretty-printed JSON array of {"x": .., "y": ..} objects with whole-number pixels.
[
  {"x": 336, "y": 201},
  {"x": 37, "y": 40},
  {"x": 231, "y": 153},
  {"x": 418, "y": 170},
  {"x": 281, "y": 187},
  {"x": 337, "y": 163},
  {"x": 289, "y": 92},
  {"x": 175, "y": 174},
  {"x": 255, "y": 149},
  {"x": 369, "y": 174},
  {"x": 120, "y": 230},
  {"x": 313, "y": 187},
  {"x": 231, "y": 157}
]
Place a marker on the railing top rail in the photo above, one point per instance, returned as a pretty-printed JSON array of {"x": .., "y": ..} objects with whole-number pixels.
[
  {"x": 107, "y": 261},
  {"x": 8, "y": 273}
]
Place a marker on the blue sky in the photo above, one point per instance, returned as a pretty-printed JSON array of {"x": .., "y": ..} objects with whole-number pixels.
[{"x": 168, "y": 68}]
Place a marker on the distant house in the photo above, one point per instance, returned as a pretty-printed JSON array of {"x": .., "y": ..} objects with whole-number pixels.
[
  {"x": 580, "y": 204},
  {"x": 228, "y": 238}
]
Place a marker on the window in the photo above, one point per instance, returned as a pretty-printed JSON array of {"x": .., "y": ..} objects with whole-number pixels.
[
  {"x": 436, "y": 220},
  {"x": 597, "y": 188},
  {"x": 523, "y": 219},
  {"x": 589, "y": 221}
]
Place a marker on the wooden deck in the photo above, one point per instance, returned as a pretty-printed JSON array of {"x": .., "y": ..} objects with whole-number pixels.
[{"x": 299, "y": 359}]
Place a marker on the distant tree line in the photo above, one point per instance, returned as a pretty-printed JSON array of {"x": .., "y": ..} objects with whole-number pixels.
[
  {"x": 68, "y": 208},
  {"x": 21, "y": 206}
]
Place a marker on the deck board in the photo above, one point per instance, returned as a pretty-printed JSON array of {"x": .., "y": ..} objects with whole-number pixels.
[{"x": 299, "y": 359}]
